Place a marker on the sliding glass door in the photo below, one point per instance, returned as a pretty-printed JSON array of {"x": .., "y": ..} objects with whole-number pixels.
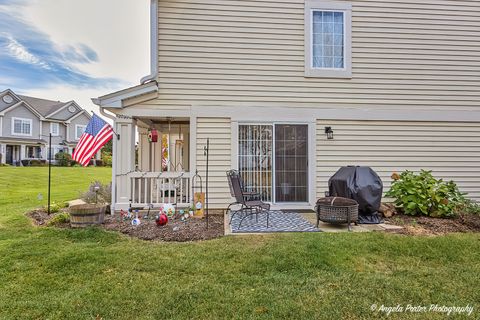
[
  {"x": 255, "y": 146},
  {"x": 273, "y": 160},
  {"x": 291, "y": 163}
]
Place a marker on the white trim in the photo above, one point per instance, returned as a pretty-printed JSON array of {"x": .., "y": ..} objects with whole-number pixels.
[
  {"x": 58, "y": 129},
  {"x": 153, "y": 43},
  {"x": 319, "y": 5},
  {"x": 76, "y": 130},
  {"x": 59, "y": 109},
  {"x": 78, "y": 115},
  {"x": 311, "y": 150},
  {"x": 1, "y": 125},
  {"x": 29, "y": 107},
  {"x": 193, "y": 146},
  {"x": 234, "y": 145},
  {"x": 115, "y": 99},
  {"x": 30, "y": 121},
  {"x": 293, "y": 113}
]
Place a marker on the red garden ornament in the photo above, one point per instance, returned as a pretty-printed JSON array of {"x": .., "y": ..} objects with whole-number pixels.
[
  {"x": 162, "y": 220},
  {"x": 153, "y": 135}
]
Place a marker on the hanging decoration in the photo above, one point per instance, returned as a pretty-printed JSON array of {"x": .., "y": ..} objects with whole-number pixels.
[
  {"x": 153, "y": 135},
  {"x": 198, "y": 195}
]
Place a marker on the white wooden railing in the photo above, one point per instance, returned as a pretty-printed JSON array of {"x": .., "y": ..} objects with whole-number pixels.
[{"x": 157, "y": 188}]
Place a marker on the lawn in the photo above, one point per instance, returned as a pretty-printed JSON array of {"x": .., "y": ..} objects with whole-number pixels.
[{"x": 86, "y": 274}]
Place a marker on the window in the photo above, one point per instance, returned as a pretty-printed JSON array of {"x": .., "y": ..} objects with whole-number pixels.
[
  {"x": 54, "y": 129},
  {"x": 34, "y": 152},
  {"x": 21, "y": 127},
  {"x": 273, "y": 161},
  {"x": 79, "y": 130},
  {"x": 328, "y": 39}
]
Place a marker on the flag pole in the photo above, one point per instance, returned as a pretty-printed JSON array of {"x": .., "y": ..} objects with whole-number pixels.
[{"x": 49, "y": 168}]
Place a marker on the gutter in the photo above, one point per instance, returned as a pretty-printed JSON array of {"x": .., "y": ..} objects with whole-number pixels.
[{"x": 153, "y": 43}]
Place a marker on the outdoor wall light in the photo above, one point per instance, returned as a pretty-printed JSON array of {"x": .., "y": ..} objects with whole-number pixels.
[{"x": 329, "y": 133}]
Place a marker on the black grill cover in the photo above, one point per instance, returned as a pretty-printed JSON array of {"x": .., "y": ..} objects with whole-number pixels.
[{"x": 363, "y": 185}]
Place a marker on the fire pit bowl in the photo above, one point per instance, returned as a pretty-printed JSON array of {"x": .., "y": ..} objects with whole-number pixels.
[{"x": 337, "y": 210}]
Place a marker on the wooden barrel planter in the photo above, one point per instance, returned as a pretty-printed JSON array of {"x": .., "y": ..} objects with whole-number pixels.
[{"x": 84, "y": 215}]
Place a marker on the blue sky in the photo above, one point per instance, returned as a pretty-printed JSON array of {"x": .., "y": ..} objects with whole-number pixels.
[{"x": 72, "y": 50}]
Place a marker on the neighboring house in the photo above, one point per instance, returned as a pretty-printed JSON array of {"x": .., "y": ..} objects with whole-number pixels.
[
  {"x": 394, "y": 83},
  {"x": 26, "y": 123}
]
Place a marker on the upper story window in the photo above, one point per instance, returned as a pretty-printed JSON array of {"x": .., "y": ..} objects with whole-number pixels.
[
  {"x": 79, "y": 130},
  {"x": 55, "y": 129},
  {"x": 21, "y": 127},
  {"x": 328, "y": 29}
]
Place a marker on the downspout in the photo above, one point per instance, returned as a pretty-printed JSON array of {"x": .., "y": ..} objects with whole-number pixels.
[
  {"x": 114, "y": 163},
  {"x": 153, "y": 43}
]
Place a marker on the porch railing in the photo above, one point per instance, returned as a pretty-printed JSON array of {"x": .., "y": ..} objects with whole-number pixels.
[{"x": 156, "y": 188}]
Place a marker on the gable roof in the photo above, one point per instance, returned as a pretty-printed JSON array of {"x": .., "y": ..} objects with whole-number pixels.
[{"x": 43, "y": 106}]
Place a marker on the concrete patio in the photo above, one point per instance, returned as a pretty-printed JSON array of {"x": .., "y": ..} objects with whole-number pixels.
[{"x": 323, "y": 227}]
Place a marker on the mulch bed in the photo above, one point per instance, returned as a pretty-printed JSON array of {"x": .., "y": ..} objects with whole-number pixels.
[
  {"x": 435, "y": 226},
  {"x": 192, "y": 230},
  {"x": 40, "y": 218},
  {"x": 176, "y": 230}
]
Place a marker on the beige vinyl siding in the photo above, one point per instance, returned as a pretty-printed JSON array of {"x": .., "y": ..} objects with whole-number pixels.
[
  {"x": 219, "y": 132},
  {"x": 405, "y": 55},
  {"x": 450, "y": 150}
]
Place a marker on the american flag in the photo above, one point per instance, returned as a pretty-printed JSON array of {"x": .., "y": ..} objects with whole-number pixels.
[{"x": 97, "y": 133}]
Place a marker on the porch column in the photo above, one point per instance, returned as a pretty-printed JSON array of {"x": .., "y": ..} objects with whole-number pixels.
[
  {"x": 22, "y": 151},
  {"x": 123, "y": 161},
  {"x": 3, "y": 153}
]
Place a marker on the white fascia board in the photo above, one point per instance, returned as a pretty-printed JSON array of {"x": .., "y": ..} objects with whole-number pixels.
[
  {"x": 114, "y": 100},
  {"x": 78, "y": 115},
  {"x": 153, "y": 43},
  {"x": 66, "y": 104},
  {"x": 29, "y": 107}
]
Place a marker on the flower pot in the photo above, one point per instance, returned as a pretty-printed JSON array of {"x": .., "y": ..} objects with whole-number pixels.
[{"x": 85, "y": 215}]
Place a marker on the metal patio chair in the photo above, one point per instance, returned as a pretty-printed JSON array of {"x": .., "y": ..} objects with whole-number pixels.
[{"x": 242, "y": 198}]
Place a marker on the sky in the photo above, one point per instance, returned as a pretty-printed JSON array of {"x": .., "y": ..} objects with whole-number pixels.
[{"x": 73, "y": 50}]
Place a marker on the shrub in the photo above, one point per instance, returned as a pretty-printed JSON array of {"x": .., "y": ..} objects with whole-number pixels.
[
  {"x": 99, "y": 163},
  {"x": 469, "y": 207},
  {"x": 104, "y": 193},
  {"x": 54, "y": 207},
  {"x": 59, "y": 218},
  {"x": 25, "y": 163},
  {"x": 107, "y": 159},
  {"x": 63, "y": 159},
  {"x": 423, "y": 194}
]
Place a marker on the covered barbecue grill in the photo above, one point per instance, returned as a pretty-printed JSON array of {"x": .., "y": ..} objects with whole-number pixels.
[{"x": 363, "y": 185}]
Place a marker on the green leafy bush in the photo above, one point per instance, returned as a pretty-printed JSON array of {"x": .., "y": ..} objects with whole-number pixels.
[
  {"x": 63, "y": 159},
  {"x": 55, "y": 207},
  {"x": 423, "y": 194},
  {"x": 469, "y": 207},
  {"x": 59, "y": 218},
  {"x": 107, "y": 159}
]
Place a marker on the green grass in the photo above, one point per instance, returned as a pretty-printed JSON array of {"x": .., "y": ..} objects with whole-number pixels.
[{"x": 81, "y": 274}]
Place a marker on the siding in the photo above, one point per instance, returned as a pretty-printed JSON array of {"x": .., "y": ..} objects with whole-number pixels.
[
  {"x": 21, "y": 112},
  {"x": 219, "y": 132},
  {"x": 56, "y": 140},
  {"x": 451, "y": 150},
  {"x": 405, "y": 55},
  {"x": 82, "y": 120}
]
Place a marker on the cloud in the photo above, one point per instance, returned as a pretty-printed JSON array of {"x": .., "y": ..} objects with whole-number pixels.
[{"x": 30, "y": 59}]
